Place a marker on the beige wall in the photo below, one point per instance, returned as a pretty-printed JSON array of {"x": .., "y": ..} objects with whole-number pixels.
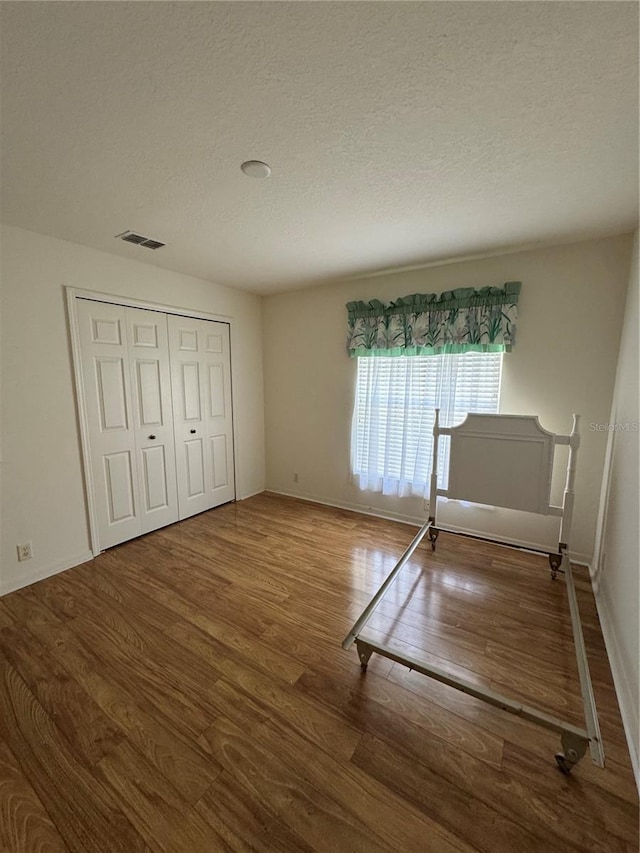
[
  {"x": 42, "y": 484},
  {"x": 571, "y": 310},
  {"x": 616, "y": 569}
]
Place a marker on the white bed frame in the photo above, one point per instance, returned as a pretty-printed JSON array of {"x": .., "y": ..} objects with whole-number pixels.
[{"x": 505, "y": 461}]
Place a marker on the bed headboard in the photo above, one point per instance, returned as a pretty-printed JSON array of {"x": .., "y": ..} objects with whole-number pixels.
[{"x": 502, "y": 460}]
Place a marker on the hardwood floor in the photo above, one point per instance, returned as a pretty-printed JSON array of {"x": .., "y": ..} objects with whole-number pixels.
[{"x": 186, "y": 692}]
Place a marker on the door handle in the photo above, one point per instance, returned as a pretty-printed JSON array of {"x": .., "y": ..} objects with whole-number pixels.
[
  {"x": 192, "y": 431},
  {"x": 152, "y": 437}
]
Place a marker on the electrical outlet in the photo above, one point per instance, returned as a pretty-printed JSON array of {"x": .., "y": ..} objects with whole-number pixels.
[
  {"x": 295, "y": 477},
  {"x": 25, "y": 552}
]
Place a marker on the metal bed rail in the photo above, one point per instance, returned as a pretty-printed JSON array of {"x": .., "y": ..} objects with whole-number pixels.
[
  {"x": 586, "y": 687},
  {"x": 367, "y": 613},
  {"x": 573, "y": 738}
]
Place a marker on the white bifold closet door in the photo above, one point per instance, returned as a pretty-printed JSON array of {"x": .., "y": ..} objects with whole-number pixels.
[
  {"x": 140, "y": 481},
  {"x": 201, "y": 381},
  {"x": 127, "y": 393}
]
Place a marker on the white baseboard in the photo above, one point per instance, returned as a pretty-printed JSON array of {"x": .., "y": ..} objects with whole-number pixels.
[
  {"x": 44, "y": 572},
  {"x": 629, "y": 710},
  {"x": 352, "y": 507},
  {"x": 579, "y": 559},
  {"x": 249, "y": 495},
  {"x": 576, "y": 558}
]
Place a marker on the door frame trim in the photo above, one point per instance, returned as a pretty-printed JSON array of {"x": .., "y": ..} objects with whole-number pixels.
[{"x": 72, "y": 295}]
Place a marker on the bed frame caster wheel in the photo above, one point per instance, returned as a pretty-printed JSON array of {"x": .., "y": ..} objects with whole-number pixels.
[
  {"x": 563, "y": 765},
  {"x": 364, "y": 653},
  {"x": 433, "y": 535},
  {"x": 574, "y": 748}
]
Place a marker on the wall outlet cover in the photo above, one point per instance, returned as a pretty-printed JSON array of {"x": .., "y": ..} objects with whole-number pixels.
[{"x": 25, "y": 552}]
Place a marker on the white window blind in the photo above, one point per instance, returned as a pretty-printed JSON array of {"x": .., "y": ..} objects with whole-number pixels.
[{"x": 396, "y": 398}]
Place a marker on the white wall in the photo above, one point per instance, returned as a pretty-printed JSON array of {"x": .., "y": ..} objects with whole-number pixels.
[
  {"x": 42, "y": 484},
  {"x": 571, "y": 309},
  {"x": 616, "y": 569}
]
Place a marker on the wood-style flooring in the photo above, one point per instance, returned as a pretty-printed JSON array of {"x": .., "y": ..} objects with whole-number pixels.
[{"x": 186, "y": 692}]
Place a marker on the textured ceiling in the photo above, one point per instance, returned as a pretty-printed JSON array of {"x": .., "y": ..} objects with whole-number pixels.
[{"x": 398, "y": 133}]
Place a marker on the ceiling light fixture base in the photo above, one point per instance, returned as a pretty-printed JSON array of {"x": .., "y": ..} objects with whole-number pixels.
[{"x": 256, "y": 169}]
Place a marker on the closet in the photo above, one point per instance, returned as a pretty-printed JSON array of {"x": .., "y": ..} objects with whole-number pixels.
[{"x": 155, "y": 400}]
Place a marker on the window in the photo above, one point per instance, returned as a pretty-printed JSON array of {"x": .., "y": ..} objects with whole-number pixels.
[{"x": 392, "y": 439}]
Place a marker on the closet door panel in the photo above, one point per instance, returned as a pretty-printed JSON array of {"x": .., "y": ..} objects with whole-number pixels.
[
  {"x": 190, "y": 387},
  {"x": 195, "y": 487},
  {"x": 120, "y": 490},
  {"x": 109, "y": 415},
  {"x": 149, "y": 387},
  {"x": 111, "y": 393},
  {"x": 219, "y": 421},
  {"x": 216, "y": 391},
  {"x": 220, "y": 461},
  {"x": 148, "y": 351},
  {"x": 156, "y": 490},
  {"x": 186, "y": 382},
  {"x": 201, "y": 376}
]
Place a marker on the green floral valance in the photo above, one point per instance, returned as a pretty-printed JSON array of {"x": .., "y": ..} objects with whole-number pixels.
[{"x": 462, "y": 320}]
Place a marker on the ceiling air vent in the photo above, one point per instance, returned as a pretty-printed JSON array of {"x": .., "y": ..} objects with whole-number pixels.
[{"x": 139, "y": 240}]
